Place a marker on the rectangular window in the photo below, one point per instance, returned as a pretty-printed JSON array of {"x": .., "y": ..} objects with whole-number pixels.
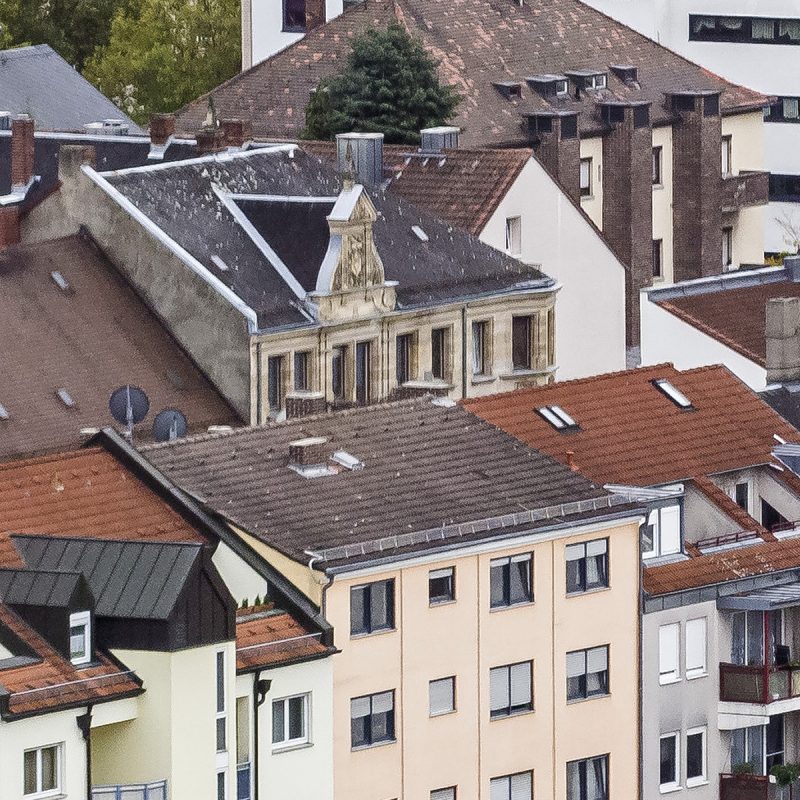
[
  {"x": 222, "y": 738},
  {"x": 405, "y": 358},
  {"x": 511, "y": 580},
  {"x": 372, "y": 607},
  {"x": 696, "y": 756},
  {"x": 363, "y": 372},
  {"x": 275, "y": 383},
  {"x": 587, "y": 779},
  {"x": 339, "y": 373},
  {"x": 657, "y": 155},
  {"x": 514, "y": 236},
  {"x": 658, "y": 255},
  {"x": 551, "y": 336},
  {"x": 587, "y": 673},
  {"x": 80, "y": 637},
  {"x": 290, "y": 720},
  {"x": 440, "y": 353},
  {"x": 587, "y": 566},
  {"x": 521, "y": 342},
  {"x": 669, "y": 766},
  {"x": 302, "y": 371},
  {"x": 662, "y": 534},
  {"x": 727, "y": 167},
  {"x": 42, "y": 770},
  {"x": 442, "y": 696},
  {"x": 372, "y": 719},
  {"x": 727, "y": 247},
  {"x": 511, "y": 689},
  {"x": 444, "y": 794},
  {"x": 762, "y": 29},
  {"x": 669, "y": 653},
  {"x": 481, "y": 348},
  {"x": 294, "y": 15},
  {"x": 695, "y": 647},
  {"x": 586, "y": 177},
  {"x": 747, "y": 747},
  {"x": 775, "y": 743},
  {"x": 221, "y": 785},
  {"x": 442, "y": 585},
  {"x": 741, "y": 494},
  {"x": 791, "y": 108},
  {"x": 512, "y": 787}
]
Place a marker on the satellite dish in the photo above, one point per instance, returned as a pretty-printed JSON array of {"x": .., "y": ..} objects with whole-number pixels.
[
  {"x": 128, "y": 405},
  {"x": 169, "y": 424}
]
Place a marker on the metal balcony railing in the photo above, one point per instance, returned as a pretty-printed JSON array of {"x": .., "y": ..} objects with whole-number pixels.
[
  {"x": 758, "y": 684},
  {"x": 755, "y": 787},
  {"x": 131, "y": 791}
]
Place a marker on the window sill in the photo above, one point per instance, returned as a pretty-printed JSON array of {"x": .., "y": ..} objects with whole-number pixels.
[
  {"x": 587, "y": 197},
  {"x": 669, "y": 788},
  {"x": 437, "y": 603},
  {"x": 286, "y": 748},
  {"x": 696, "y": 677},
  {"x": 521, "y": 604},
  {"x": 589, "y": 591},
  {"x": 372, "y": 746},
  {"x": 526, "y": 373},
  {"x": 293, "y": 29},
  {"x": 579, "y": 700},
  {"x": 691, "y": 783},
  {"x": 476, "y": 379},
  {"x": 501, "y": 717},
  {"x": 658, "y": 186},
  {"x": 367, "y": 634},
  {"x": 56, "y": 795},
  {"x": 442, "y": 713},
  {"x": 668, "y": 681}
]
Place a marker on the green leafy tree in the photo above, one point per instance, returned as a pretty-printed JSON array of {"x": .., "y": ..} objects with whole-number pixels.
[
  {"x": 166, "y": 53},
  {"x": 389, "y": 85}
]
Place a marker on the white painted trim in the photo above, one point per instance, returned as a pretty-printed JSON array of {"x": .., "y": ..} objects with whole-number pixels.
[
  {"x": 276, "y": 198},
  {"x": 159, "y": 235},
  {"x": 346, "y": 203},
  {"x": 18, "y": 193},
  {"x": 90, "y": 137}
]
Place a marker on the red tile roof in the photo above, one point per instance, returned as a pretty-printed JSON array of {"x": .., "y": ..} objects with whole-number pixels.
[
  {"x": 266, "y": 638},
  {"x": 735, "y": 317},
  {"x": 631, "y": 433}
]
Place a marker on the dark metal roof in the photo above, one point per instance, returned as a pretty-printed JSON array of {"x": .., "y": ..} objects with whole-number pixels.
[
  {"x": 135, "y": 580},
  {"x": 38, "y": 587}
]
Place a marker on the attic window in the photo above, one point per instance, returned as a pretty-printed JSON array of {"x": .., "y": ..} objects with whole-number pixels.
[
  {"x": 4, "y": 412},
  {"x": 511, "y": 90},
  {"x": 596, "y": 81},
  {"x": 557, "y": 417},
  {"x": 59, "y": 280},
  {"x": 65, "y": 397},
  {"x": 677, "y": 396},
  {"x": 80, "y": 650},
  {"x": 562, "y": 87},
  {"x": 420, "y": 234}
]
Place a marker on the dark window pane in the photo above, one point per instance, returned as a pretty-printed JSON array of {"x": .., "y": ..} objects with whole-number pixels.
[
  {"x": 667, "y": 767},
  {"x": 363, "y": 353},
  {"x": 220, "y": 682},
  {"x": 296, "y": 717},
  {"x": 499, "y": 583},
  {"x": 520, "y": 581},
  {"x": 381, "y": 604},
  {"x": 438, "y": 353},
  {"x": 338, "y": 372},
  {"x": 294, "y": 15},
  {"x": 221, "y": 734},
  {"x": 576, "y": 687},
  {"x": 278, "y": 731},
  {"x": 301, "y": 371},
  {"x": 521, "y": 342},
  {"x": 694, "y": 755},
  {"x": 743, "y": 495},
  {"x": 441, "y": 585},
  {"x": 358, "y": 609},
  {"x": 275, "y": 382},
  {"x": 404, "y": 354}
]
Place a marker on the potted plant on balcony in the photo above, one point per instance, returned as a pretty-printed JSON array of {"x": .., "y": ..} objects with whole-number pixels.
[
  {"x": 743, "y": 768},
  {"x": 786, "y": 775}
]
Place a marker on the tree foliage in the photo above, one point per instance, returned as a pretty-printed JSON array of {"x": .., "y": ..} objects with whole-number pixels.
[
  {"x": 167, "y": 52},
  {"x": 389, "y": 85}
]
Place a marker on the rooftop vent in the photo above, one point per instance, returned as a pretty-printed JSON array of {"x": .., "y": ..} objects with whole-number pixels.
[
  {"x": 4, "y": 412},
  {"x": 59, "y": 280},
  {"x": 219, "y": 263},
  {"x": 65, "y": 397},
  {"x": 434, "y": 140},
  {"x": 674, "y": 394},
  {"x": 587, "y": 79},
  {"x": 344, "y": 459},
  {"x": 511, "y": 90},
  {"x": 557, "y": 417},
  {"x": 108, "y": 127},
  {"x": 362, "y": 155},
  {"x": 5, "y": 120},
  {"x": 420, "y": 234}
]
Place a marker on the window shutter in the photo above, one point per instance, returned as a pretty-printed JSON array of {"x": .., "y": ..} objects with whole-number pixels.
[
  {"x": 696, "y": 646},
  {"x": 499, "y": 789},
  {"x": 521, "y": 684},
  {"x": 575, "y": 552},
  {"x": 576, "y": 664},
  {"x": 382, "y": 702},
  {"x": 498, "y": 689},
  {"x": 670, "y": 530},
  {"x": 521, "y": 786},
  {"x": 440, "y": 695},
  {"x": 597, "y": 659},
  {"x": 668, "y": 644}
]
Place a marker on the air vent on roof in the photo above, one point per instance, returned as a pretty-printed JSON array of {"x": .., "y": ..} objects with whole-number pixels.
[
  {"x": 65, "y": 397},
  {"x": 346, "y": 460},
  {"x": 4, "y": 412},
  {"x": 59, "y": 280},
  {"x": 5, "y": 120},
  {"x": 676, "y": 395},
  {"x": 557, "y": 417},
  {"x": 108, "y": 127},
  {"x": 419, "y": 233}
]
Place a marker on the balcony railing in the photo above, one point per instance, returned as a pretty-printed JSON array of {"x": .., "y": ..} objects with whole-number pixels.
[
  {"x": 757, "y": 684},
  {"x": 744, "y": 190},
  {"x": 131, "y": 791},
  {"x": 243, "y": 781},
  {"x": 754, "y": 787}
]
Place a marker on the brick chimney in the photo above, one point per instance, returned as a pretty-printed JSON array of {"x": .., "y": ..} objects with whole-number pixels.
[
  {"x": 697, "y": 185},
  {"x": 210, "y": 140},
  {"x": 309, "y": 452},
  {"x": 555, "y": 142},
  {"x": 162, "y": 127},
  {"x": 9, "y": 226},
  {"x": 22, "y": 151},
  {"x": 783, "y": 339},
  {"x": 304, "y": 404},
  {"x": 236, "y": 131}
]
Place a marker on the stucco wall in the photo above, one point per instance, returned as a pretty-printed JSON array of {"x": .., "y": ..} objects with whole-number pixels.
[
  {"x": 662, "y": 203},
  {"x": 593, "y": 203},
  {"x": 243, "y": 582}
]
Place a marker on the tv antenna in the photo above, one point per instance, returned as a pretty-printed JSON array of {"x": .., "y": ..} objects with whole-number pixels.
[
  {"x": 129, "y": 406},
  {"x": 169, "y": 424}
]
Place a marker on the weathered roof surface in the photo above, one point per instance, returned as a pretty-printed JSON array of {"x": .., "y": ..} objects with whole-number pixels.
[
  {"x": 46, "y": 680},
  {"x": 86, "y": 493},
  {"x": 735, "y": 317},
  {"x": 38, "y": 82},
  {"x": 89, "y": 339},
  {"x": 478, "y": 42},
  {"x": 132, "y": 580},
  {"x": 42, "y": 587},
  {"x": 632, "y": 433},
  {"x": 182, "y": 200},
  {"x": 267, "y": 638},
  {"x": 426, "y": 467}
]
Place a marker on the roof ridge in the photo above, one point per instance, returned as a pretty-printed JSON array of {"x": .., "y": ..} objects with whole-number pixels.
[{"x": 102, "y": 540}]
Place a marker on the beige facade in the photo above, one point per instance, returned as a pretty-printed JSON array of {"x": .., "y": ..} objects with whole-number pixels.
[
  {"x": 662, "y": 202},
  {"x": 465, "y": 638}
]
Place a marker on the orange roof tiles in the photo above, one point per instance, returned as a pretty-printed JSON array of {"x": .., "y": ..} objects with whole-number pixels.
[{"x": 631, "y": 433}]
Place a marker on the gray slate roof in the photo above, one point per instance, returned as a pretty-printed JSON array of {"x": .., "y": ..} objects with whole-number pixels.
[
  {"x": 180, "y": 199},
  {"x": 38, "y": 587},
  {"x": 37, "y": 81},
  {"x": 134, "y": 580},
  {"x": 426, "y": 466}
]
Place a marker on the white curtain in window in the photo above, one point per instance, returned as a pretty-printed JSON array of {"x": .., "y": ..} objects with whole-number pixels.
[
  {"x": 763, "y": 29},
  {"x": 703, "y": 24},
  {"x": 696, "y": 646},
  {"x": 790, "y": 28}
]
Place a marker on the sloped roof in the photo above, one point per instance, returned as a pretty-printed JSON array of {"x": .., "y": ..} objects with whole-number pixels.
[
  {"x": 38, "y": 82},
  {"x": 42, "y": 587},
  {"x": 183, "y": 200},
  {"x": 88, "y": 338},
  {"x": 478, "y": 42},
  {"x": 632, "y": 433}
]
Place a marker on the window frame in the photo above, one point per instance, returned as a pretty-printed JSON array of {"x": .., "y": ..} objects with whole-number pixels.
[
  {"x": 276, "y": 383},
  {"x": 693, "y": 672},
  {"x": 288, "y": 743},
  {"x": 675, "y": 784},
  {"x": 451, "y": 679},
  {"x": 363, "y": 391},
  {"x": 339, "y": 354},
  {"x": 444, "y": 334},
  {"x": 587, "y": 189},
  {"x": 726, "y": 155},
  {"x": 702, "y": 779},
  {"x": 582, "y": 765},
  {"x": 391, "y": 736},
  {"x": 292, "y": 28},
  {"x": 220, "y": 676},
  {"x": 509, "y": 779},
  {"x": 408, "y": 341},
  {"x": 666, "y": 677},
  {"x": 583, "y": 586},
  {"x": 81, "y": 619},
  {"x": 390, "y": 596},
  {"x": 485, "y": 339},
  {"x": 514, "y": 236},
  {"x": 727, "y": 245},
  {"x": 507, "y": 561},
  {"x": 586, "y": 694},
  {"x": 657, "y": 550},
  {"x": 658, "y": 259},
  {"x": 512, "y": 709},
  {"x": 439, "y": 794},
  {"x": 301, "y": 365},
  {"x": 658, "y": 166},
  {"x": 531, "y": 324},
  {"x": 441, "y": 599},
  {"x": 56, "y": 791}
]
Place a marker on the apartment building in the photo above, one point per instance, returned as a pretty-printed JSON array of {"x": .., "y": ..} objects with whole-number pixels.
[
  {"x": 482, "y": 596},
  {"x": 754, "y": 44},
  {"x": 665, "y": 157},
  {"x": 295, "y": 289},
  {"x": 719, "y": 557}
]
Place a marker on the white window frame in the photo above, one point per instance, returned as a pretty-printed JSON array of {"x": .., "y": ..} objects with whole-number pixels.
[
  {"x": 514, "y": 236},
  {"x": 726, "y": 155},
  {"x": 655, "y": 518},
  {"x": 673, "y": 629},
  {"x": 671, "y": 786},
  {"x": 77, "y": 620},
  {"x": 56, "y": 791},
  {"x": 698, "y": 670},
  {"x": 221, "y": 713},
  {"x": 750, "y": 494},
  {"x": 452, "y": 681},
  {"x": 588, "y": 163},
  {"x": 698, "y": 780},
  {"x": 485, "y": 339},
  {"x": 224, "y": 774},
  {"x": 306, "y": 737}
]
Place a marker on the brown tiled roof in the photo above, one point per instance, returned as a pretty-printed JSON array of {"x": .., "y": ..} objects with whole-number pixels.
[
  {"x": 478, "y": 42},
  {"x": 86, "y": 493},
  {"x": 52, "y": 682},
  {"x": 266, "y": 638},
  {"x": 735, "y": 317},
  {"x": 89, "y": 339},
  {"x": 631, "y": 433}
]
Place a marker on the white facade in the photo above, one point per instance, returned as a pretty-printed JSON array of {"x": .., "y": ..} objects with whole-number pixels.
[
  {"x": 590, "y": 306},
  {"x": 771, "y": 68}
]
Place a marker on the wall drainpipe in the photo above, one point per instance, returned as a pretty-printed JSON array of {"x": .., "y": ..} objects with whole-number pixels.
[
  {"x": 463, "y": 352},
  {"x": 260, "y": 689},
  {"x": 84, "y": 722}
]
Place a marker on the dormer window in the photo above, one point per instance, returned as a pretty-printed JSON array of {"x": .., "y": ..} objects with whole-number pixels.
[
  {"x": 80, "y": 637},
  {"x": 596, "y": 81},
  {"x": 562, "y": 88}
]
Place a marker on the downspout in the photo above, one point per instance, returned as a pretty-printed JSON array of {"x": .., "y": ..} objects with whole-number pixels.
[
  {"x": 84, "y": 722},
  {"x": 640, "y": 715},
  {"x": 327, "y": 637},
  {"x": 463, "y": 352},
  {"x": 260, "y": 689},
  {"x": 258, "y": 383}
]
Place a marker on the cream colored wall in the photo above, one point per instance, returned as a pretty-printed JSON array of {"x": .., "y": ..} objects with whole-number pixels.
[
  {"x": 466, "y": 639},
  {"x": 26, "y": 734},
  {"x": 747, "y": 141},
  {"x": 662, "y": 202},
  {"x": 243, "y": 582},
  {"x": 593, "y": 205}
]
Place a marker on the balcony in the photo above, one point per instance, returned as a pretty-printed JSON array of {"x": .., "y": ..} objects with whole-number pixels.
[
  {"x": 759, "y": 685},
  {"x": 754, "y": 787},
  {"x": 744, "y": 190},
  {"x": 131, "y": 791}
]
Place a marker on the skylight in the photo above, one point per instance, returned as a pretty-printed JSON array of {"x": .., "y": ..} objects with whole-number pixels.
[
  {"x": 4, "y": 412},
  {"x": 59, "y": 280},
  {"x": 65, "y": 397},
  {"x": 419, "y": 233},
  {"x": 557, "y": 417},
  {"x": 676, "y": 395}
]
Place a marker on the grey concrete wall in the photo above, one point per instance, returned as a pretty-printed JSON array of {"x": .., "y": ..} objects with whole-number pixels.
[{"x": 209, "y": 328}]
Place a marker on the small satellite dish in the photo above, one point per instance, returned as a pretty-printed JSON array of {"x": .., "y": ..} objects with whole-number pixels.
[
  {"x": 169, "y": 424},
  {"x": 128, "y": 405}
]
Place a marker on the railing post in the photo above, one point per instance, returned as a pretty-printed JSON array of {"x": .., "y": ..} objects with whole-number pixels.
[{"x": 766, "y": 659}]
